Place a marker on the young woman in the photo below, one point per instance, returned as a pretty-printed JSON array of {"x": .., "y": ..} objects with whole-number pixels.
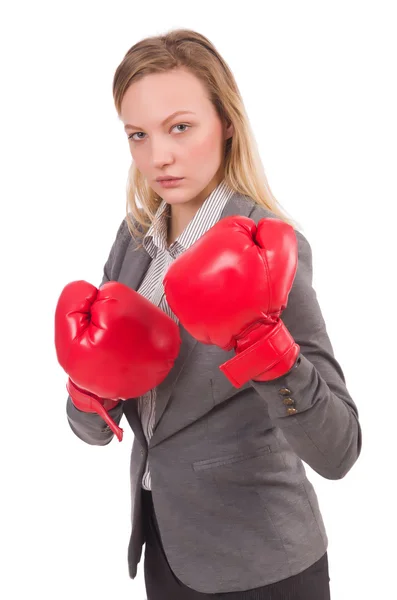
[{"x": 247, "y": 386}]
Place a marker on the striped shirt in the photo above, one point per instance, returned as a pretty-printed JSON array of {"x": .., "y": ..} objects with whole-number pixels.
[{"x": 155, "y": 243}]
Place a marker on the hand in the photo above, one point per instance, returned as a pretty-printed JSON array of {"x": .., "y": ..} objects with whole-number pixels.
[{"x": 230, "y": 288}]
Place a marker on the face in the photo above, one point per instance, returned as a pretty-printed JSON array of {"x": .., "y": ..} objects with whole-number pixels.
[{"x": 190, "y": 146}]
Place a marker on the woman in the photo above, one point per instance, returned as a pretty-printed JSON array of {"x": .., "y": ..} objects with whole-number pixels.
[{"x": 219, "y": 492}]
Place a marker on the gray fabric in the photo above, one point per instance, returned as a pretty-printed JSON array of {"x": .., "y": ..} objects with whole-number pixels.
[{"x": 233, "y": 502}]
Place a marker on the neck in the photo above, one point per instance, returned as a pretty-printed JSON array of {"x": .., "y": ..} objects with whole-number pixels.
[
  {"x": 180, "y": 217},
  {"x": 182, "y": 214}
]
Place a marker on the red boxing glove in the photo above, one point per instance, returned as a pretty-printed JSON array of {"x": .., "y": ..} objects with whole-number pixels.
[
  {"x": 113, "y": 343},
  {"x": 230, "y": 288}
]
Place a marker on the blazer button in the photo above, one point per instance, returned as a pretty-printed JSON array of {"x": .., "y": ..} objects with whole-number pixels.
[
  {"x": 291, "y": 411},
  {"x": 288, "y": 401},
  {"x": 284, "y": 391}
]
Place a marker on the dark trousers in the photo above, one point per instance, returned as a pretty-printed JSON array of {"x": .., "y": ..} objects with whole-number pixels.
[{"x": 162, "y": 584}]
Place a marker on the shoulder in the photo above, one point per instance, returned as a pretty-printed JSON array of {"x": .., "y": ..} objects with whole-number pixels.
[
  {"x": 304, "y": 249},
  {"x": 245, "y": 205},
  {"x": 261, "y": 212},
  {"x": 124, "y": 241},
  {"x": 256, "y": 212},
  {"x": 130, "y": 231}
]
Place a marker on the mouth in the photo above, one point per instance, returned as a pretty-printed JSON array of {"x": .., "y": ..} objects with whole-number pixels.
[{"x": 159, "y": 179}]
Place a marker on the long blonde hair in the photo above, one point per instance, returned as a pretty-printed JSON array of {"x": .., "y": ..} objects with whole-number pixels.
[{"x": 185, "y": 48}]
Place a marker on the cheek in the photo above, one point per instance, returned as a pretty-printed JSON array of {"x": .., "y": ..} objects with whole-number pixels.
[
  {"x": 140, "y": 159},
  {"x": 208, "y": 146}
]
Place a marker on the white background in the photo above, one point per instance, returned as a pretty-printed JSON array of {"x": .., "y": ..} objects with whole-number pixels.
[{"x": 318, "y": 82}]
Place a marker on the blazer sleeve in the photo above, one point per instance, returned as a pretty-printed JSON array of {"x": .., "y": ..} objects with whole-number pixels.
[
  {"x": 90, "y": 427},
  {"x": 324, "y": 431}
]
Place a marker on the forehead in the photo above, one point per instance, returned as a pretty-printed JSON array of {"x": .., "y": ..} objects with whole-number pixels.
[{"x": 158, "y": 95}]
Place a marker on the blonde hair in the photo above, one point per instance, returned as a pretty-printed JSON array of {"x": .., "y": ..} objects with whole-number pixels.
[{"x": 187, "y": 49}]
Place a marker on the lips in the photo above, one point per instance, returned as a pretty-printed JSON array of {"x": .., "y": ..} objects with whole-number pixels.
[{"x": 168, "y": 178}]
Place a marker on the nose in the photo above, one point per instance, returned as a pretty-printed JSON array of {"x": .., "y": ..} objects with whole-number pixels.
[{"x": 161, "y": 153}]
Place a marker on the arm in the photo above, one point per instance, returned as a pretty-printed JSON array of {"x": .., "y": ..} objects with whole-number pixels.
[
  {"x": 90, "y": 427},
  {"x": 324, "y": 431}
]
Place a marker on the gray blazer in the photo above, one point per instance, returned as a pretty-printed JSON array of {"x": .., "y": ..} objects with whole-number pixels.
[{"x": 235, "y": 508}]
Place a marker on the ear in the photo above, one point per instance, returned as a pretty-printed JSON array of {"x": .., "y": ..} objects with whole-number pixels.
[{"x": 229, "y": 130}]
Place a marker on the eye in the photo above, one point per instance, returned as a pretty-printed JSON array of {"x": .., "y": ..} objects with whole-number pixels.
[{"x": 131, "y": 137}]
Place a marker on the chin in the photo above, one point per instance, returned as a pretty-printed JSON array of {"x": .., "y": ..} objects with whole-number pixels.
[{"x": 173, "y": 199}]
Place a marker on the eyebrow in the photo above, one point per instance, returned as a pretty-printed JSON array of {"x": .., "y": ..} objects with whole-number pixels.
[{"x": 178, "y": 112}]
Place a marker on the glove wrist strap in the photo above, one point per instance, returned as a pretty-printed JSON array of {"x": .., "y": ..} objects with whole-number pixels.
[
  {"x": 267, "y": 359},
  {"x": 86, "y": 402}
]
